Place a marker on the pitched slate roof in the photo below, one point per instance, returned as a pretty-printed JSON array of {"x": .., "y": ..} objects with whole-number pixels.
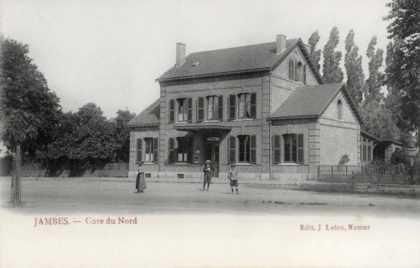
[
  {"x": 252, "y": 58},
  {"x": 311, "y": 102},
  {"x": 149, "y": 117}
]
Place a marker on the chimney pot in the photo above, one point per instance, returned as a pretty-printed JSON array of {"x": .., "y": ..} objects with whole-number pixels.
[
  {"x": 180, "y": 54},
  {"x": 281, "y": 43}
]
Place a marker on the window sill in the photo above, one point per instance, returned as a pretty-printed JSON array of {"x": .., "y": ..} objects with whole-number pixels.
[
  {"x": 149, "y": 163},
  {"x": 243, "y": 119},
  {"x": 289, "y": 164},
  {"x": 243, "y": 164}
]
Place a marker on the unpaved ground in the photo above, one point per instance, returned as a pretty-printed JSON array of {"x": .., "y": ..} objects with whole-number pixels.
[{"x": 104, "y": 197}]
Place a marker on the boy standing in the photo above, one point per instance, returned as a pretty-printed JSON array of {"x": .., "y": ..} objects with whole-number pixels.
[
  {"x": 233, "y": 178},
  {"x": 207, "y": 169}
]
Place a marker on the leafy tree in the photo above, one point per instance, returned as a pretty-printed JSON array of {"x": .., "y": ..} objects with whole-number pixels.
[
  {"x": 354, "y": 70},
  {"x": 122, "y": 133},
  {"x": 29, "y": 110},
  {"x": 85, "y": 136},
  {"x": 379, "y": 120},
  {"x": 331, "y": 70},
  {"x": 315, "y": 54},
  {"x": 376, "y": 77},
  {"x": 403, "y": 72}
]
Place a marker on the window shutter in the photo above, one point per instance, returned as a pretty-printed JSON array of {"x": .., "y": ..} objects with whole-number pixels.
[
  {"x": 300, "y": 153},
  {"x": 171, "y": 111},
  {"x": 304, "y": 74},
  {"x": 190, "y": 144},
  {"x": 155, "y": 150},
  {"x": 253, "y": 150},
  {"x": 254, "y": 105},
  {"x": 231, "y": 150},
  {"x": 232, "y": 107},
  {"x": 200, "y": 112},
  {"x": 276, "y": 149},
  {"x": 139, "y": 150},
  {"x": 171, "y": 146},
  {"x": 190, "y": 110},
  {"x": 220, "y": 108}
]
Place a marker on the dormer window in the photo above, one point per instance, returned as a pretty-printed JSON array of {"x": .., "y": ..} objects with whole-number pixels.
[
  {"x": 339, "y": 110},
  {"x": 291, "y": 69}
]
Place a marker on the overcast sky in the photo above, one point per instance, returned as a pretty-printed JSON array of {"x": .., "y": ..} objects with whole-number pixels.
[{"x": 111, "y": 52}]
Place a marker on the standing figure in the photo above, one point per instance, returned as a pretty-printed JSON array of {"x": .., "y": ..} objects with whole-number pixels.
[
  {"x": 233, "y": 178},
  {"x": 207, "y": 169},
  {"x": 140, "y": 181}
]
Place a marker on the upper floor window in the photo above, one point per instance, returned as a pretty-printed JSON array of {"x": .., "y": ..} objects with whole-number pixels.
[
  {"x": 298, "y": 75},
  {"x": 247, "y": 105},
  {"x": 291, "y": 69},
  {"x": 215, "y": 107},
  {"x": 304, "y": 74},
  {"x": 184, "y": 111},
  {"x": 339, "y": 110}
]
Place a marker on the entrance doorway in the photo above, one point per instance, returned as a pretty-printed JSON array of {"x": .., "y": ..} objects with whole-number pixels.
[{"x": 212, "y": 154}]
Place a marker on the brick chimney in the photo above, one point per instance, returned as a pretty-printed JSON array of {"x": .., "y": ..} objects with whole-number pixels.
[
  {"x": 180, "y": 54},
  {"x": 281, "y": 43}
]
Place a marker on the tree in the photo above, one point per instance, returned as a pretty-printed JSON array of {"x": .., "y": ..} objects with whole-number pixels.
[
  {"x": 122, "y": 133},
  {"x": 404, "y": 70},
  {"x": 28, "y": 107},
  {"x": 354, "y": 70},
  {"x": 83, "y": 139},
  {"x": 331, "y": 70},
  {"x": 376, "y": 78},
  {"x": 379, "y": 120},
  {"x": 315, "y": 54}
]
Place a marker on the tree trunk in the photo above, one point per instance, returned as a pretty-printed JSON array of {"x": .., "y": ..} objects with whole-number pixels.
[{"x": 16, "y": 199}]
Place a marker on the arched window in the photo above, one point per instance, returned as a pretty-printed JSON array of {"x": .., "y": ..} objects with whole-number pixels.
[
  {"x": 291, "y": 69},
  {"x": 298, "y": 75},
  {"x": 339, "y": 110}
]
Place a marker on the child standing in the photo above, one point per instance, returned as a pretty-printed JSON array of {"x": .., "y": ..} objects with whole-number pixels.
[
  {"x": 207, "y": 169},
  {"x": 233, "y": 178}
]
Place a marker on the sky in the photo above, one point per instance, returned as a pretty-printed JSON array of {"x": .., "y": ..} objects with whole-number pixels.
[{"x": 110, "y": 52}]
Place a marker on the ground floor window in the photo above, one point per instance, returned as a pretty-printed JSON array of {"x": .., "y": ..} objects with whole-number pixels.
[
  {"x": 180, "y": 150},
  {"x": 139, "y": 157},
  {"x": 293, "y": 148},
  {"x": 247, "y": 149},
  {"x": 151, "y": 150}
]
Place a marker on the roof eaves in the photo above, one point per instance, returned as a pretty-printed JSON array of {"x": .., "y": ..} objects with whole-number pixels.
[
  {"x": 213, "y": 74},
  {"x": 309, "y": 116},
  {"x": 133, "y": 125}
]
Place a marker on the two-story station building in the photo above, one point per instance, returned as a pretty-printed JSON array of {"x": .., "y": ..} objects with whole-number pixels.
[{"x": 263, "y": 107}]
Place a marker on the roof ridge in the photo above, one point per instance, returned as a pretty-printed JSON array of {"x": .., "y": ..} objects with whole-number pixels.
[{"x": 245, "y": 46}]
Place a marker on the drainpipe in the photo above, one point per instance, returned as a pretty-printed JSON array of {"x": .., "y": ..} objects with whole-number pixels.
[{"x": 269, "y": 130}]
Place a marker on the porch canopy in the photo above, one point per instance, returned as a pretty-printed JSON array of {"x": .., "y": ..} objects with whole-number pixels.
[{"x": 216, "y": 128}]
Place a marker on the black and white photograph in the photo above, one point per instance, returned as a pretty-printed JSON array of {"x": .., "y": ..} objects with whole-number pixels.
[{"x": 185, "y": 133}]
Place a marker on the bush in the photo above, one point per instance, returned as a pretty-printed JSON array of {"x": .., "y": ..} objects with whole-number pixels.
[
  {"x": 400, "y": 157},
  {"x": 6, "y": 165}
]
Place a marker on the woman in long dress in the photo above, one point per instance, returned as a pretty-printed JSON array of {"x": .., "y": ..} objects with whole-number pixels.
[{"x": 140, "y": 181}]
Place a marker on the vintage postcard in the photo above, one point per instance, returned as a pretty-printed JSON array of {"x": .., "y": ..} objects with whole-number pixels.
[{"x": 232, "y": 133}]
